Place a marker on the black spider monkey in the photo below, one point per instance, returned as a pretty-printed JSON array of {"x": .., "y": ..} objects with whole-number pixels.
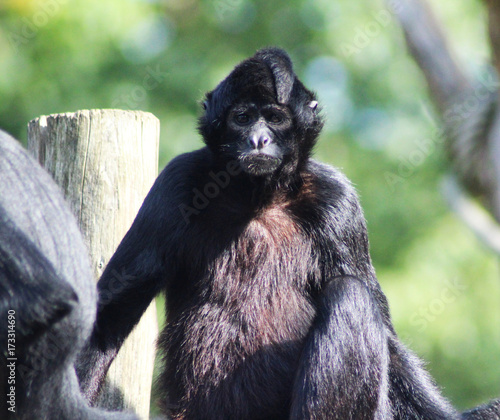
[
  {"x": 273, "y": 307},
  {"x": 47, "y": 296}
]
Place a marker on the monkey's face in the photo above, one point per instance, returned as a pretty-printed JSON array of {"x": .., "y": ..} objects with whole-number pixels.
[
  {"x": 263, "y": 117},
  {"x": 258, "y": 136}
]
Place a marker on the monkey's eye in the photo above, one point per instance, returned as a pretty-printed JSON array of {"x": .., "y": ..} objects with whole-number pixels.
[
  {"x": 242, "y": 118},
  {"x": 275, "y": 118}
]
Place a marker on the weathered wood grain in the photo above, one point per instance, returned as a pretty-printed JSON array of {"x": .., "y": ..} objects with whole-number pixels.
[{"x": 106, "y": 161}]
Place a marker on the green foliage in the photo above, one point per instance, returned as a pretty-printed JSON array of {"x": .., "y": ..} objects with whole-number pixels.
[{"x": 162, "y": 55}]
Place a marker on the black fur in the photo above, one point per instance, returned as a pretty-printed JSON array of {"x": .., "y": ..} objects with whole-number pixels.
[
  {"x": 47, "y": 287},
  {"x": 273, "y": 307}
]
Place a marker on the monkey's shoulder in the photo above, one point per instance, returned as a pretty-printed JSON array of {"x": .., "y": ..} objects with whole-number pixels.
[
  {"x": 328, "y": 186},
  {"x": 186, "y": 168},
  {"x": 175, "y": 183}
]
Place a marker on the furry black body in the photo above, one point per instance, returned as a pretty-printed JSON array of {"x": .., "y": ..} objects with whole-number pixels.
[{"x": 274, "y": 309}]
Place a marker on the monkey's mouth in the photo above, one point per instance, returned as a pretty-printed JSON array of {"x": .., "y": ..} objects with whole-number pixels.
[{"x": 258, "y": 164}]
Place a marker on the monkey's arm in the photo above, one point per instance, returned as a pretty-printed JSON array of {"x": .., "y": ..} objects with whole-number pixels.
[
  {"x": 131, "y": 280},
  {"x": 353, "y": 335},
  {"x": 140, "y": 268},
  {"x": 343, "y": 372}
]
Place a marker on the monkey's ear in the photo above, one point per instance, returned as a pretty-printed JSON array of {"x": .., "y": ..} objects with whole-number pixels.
[
  {"x": 204, "y": 105},
  {"x": 313, "y": 105}
]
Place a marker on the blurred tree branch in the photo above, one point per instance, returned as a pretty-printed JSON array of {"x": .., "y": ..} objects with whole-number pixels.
[
  {"x": 477, "y": 219},
  {"x": 468, "y": 106}
]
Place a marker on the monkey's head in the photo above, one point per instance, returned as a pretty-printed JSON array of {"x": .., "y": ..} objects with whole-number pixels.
[{"x": 262, "y": 116}]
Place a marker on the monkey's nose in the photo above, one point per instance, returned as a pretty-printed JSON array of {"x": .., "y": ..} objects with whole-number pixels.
[{"x": 259, "y": 141}]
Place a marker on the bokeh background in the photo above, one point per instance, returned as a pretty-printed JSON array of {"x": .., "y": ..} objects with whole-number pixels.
[{"x": 160, "y": 56}]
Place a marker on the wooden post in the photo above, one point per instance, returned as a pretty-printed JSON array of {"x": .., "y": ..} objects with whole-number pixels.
[{"x": 106, "y": 161}]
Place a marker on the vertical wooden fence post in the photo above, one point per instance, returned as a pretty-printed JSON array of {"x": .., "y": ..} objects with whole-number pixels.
[{"x": 106, "y": 161}]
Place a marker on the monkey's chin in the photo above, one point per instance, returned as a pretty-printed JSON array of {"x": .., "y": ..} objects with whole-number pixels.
[{"x": 259, "y": 164}]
